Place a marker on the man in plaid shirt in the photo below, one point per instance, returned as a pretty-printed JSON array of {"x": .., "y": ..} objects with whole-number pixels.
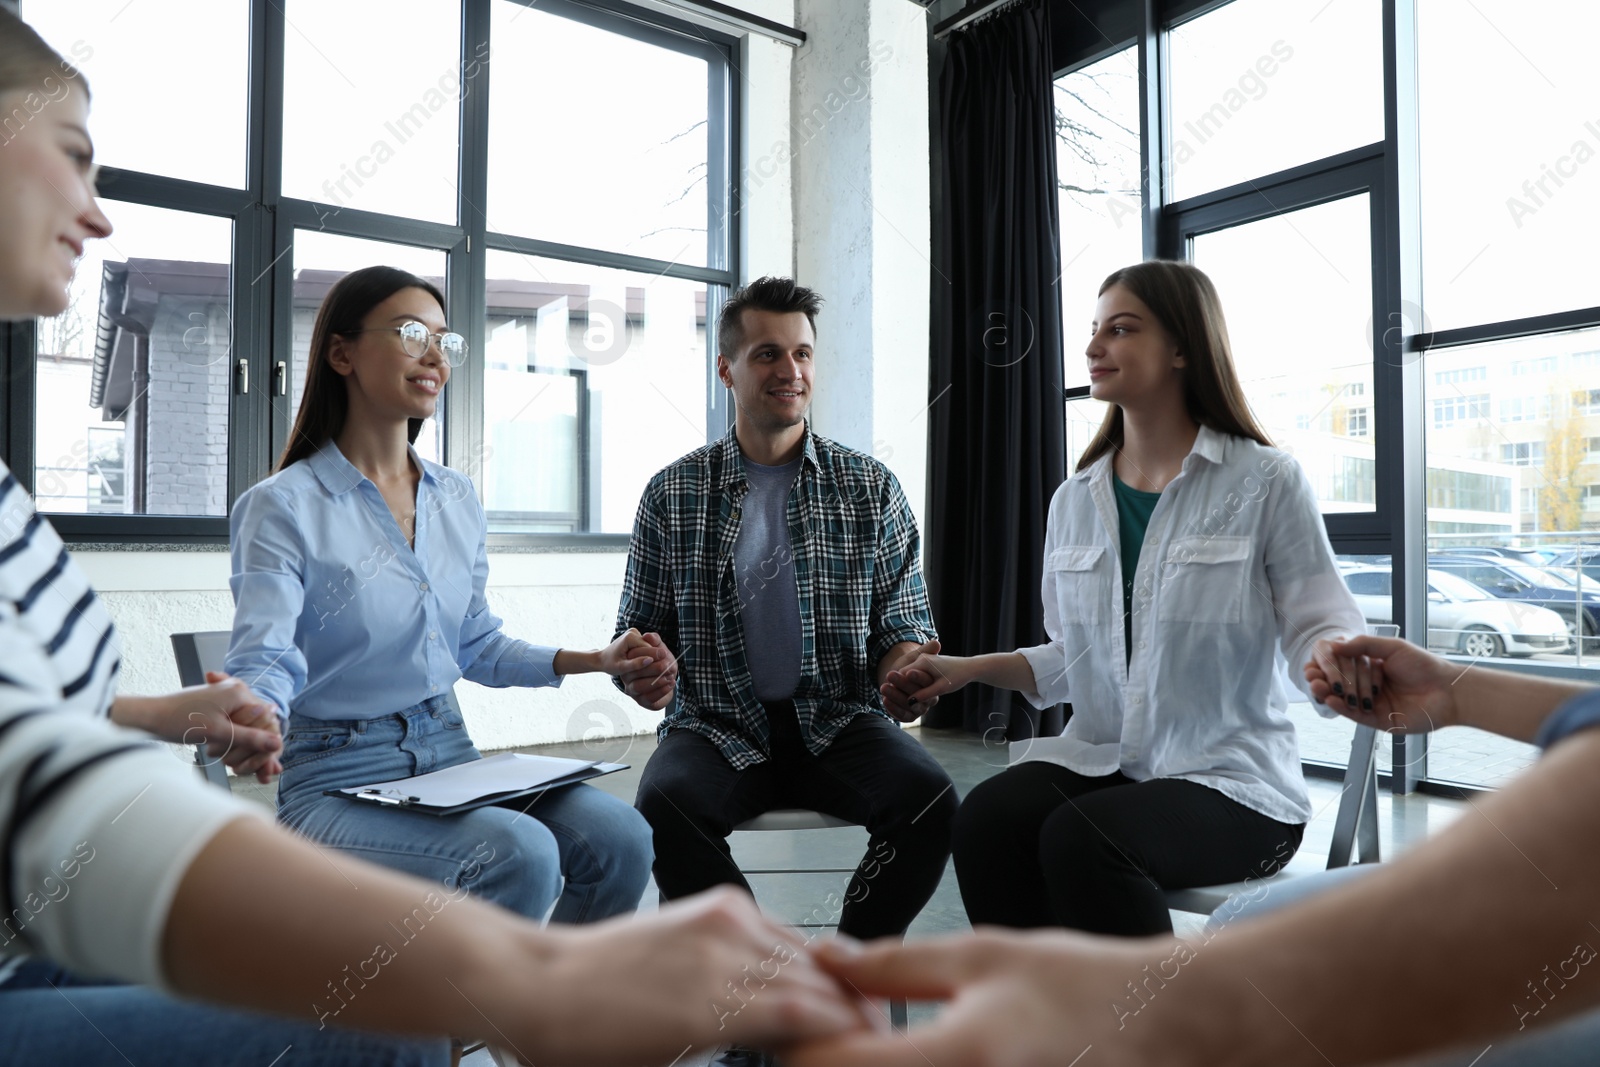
[{"x": 782, "y": 571}]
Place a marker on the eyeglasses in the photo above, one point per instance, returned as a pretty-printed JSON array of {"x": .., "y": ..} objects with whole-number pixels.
[{"x": 415, "y": 339}]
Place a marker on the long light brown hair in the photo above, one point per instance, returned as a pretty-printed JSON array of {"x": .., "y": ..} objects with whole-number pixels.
[
  {"x": 326, "y": 402},
  {"x": 27, "y": 62},
  {"x": 1185, "y": 302}
]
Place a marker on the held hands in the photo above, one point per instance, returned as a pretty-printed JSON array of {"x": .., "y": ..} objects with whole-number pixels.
[
  {"x": 645, "y": 666},
  {"x": 920, "y": 679},
  {"x": 1383, "y": 682},
  {"x": 705, "y": 971},
  {"x": 232, "y": 722},
  {"x": 1010, "y": 998}
]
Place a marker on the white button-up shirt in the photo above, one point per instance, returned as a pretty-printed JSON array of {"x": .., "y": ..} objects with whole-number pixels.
[{"x": 1236, "y": 563}]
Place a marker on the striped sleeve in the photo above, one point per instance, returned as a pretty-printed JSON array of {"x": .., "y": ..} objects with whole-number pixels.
[{"x": 97, "y": 825}]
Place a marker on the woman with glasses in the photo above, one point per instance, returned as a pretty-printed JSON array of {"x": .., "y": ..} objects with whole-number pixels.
[{"x": 358, "y": 575}]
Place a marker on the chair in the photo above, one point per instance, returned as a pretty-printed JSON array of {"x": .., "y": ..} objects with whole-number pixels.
[
  {"x": 805, "y": 819},
  {"x": 196, "y": 654},
  {"x": 1355, "y": 829}
]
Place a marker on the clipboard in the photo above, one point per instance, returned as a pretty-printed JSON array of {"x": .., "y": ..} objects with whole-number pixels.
[{"x": 491, "y": 780}]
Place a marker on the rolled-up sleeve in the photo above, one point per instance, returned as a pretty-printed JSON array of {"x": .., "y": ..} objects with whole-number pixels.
[
  {"x": 486, "y": 654},
  {"x": 269, "y": 595},
  {"x": 1309, "y": 597},
  {"x": 1048, "y": 661},
  {"x": 99, "y": 826},
  {"x": 900, "y": 609}
]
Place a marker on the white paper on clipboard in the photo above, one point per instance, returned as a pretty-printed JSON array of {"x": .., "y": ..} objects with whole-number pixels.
[{"x": 508, "y": 772}]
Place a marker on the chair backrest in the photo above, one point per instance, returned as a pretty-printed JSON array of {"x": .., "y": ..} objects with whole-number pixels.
[
  {"x": 196, "y": 654},
  {"x": 199, "y": 652}
]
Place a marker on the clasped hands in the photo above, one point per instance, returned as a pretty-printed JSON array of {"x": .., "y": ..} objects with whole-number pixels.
[
  {"x": 645, "y": 667},
  {"x": 236, "y": 726}
]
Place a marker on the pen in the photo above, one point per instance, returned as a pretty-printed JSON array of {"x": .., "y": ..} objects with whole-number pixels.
[{"x": 386, "y": 798}]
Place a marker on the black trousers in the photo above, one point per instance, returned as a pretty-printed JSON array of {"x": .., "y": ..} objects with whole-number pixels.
[
  {"x": 872, "y": 774},
  {"x": 1041, "y": 845}
]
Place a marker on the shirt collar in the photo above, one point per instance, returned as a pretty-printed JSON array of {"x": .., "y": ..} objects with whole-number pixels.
[
  {"x": 1209, "y": 445},
  {"x": 730, "y": 460},
  {"x": 338, "y": 475}
]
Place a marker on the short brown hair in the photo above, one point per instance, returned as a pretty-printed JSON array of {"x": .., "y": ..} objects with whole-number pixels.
[{"x": 781, "y": 295}]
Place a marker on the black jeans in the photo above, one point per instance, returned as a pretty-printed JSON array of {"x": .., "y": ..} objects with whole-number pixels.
[
  {"x": 872, "y": 774},
  {"x": 1041, "y": 845}
]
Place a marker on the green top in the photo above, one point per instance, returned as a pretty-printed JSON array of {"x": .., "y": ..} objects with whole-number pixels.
[{"x": 1133, "y": 519}]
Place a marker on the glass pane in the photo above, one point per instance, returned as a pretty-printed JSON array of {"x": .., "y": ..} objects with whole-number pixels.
[
  {"x": 1509, "y": 217},
  {"x": 1324, "y": 740},
  {"x": 134, "y": 377},
  {"x": 1084, "y": 416},
  {"x": 1259, "y": 86},
  {"x": 372, "y": 106},
  {"x": 147, "y": 111},
  {"x": 596, "y": 139},
  {"x": 320, "y": 259},
  {"x": 1309, "y": 385},
  {"x": 1097, "y": 165},
  {"x": 594, "y": 380},
  {"x": 1513, "y": 437}
]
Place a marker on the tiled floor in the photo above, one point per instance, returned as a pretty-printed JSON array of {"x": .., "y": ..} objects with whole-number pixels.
[{"x": 1402, "y": 822}]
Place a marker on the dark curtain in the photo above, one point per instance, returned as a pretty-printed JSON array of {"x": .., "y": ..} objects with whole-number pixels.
[{"x": 998, "y": 421}]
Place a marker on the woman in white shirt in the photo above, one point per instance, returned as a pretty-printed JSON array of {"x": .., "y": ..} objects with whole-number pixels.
[{"x": 1180, "y": 557}]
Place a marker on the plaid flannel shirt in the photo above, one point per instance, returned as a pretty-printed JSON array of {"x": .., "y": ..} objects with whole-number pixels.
[{"x": 855, "y": 550}]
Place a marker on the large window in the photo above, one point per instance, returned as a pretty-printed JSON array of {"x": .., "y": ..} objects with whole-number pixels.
[
  {"x": 1101, "y": 197},
  {"x": 1400, "y": 221},
  {"x": 1259, "y": 86},
  {"x": 561, "y": 171},
  {"x": 1309, "y": 388},
  {"x": 1510, "y": 174},
  {"x": 132, "y": 381}
]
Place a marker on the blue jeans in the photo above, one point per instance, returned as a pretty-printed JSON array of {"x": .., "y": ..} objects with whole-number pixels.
[
  {"x": 578, "y": 848},
  {"x": 48, "y": 1016}
]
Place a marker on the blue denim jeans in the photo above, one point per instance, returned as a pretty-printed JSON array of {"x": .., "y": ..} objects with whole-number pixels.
[
  {"x": 49, "y": 1016},
  {"x": 578, "y": 848}
]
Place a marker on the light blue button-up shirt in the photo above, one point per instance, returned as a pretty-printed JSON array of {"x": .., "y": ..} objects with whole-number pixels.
[{"x": 337, "y": 617}]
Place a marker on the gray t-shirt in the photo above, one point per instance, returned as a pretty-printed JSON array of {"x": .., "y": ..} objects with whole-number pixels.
[{"x": 763, "y": 564}]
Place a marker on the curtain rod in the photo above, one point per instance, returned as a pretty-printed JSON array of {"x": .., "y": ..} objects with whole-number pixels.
[
  {"x": 956, "y": 22},
  {"x": 733, "y": 17}
]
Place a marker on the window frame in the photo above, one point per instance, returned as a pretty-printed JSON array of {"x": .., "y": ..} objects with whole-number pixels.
[
  {"x": 265, "y": 221},
  {"x": 1389, "y": 171}
]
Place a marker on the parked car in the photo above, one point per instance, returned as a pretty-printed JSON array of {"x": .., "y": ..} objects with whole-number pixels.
[
  {"x": 1463, "y": 618},
  {"x": 1510, "y": 580},
  {"x": 1533, "y": 557},
  {"x": 1586, "y": 559}
]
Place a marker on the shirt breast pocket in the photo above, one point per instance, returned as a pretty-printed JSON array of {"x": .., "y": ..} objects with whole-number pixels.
[
  {"x": 1203, "y": 579},
  {"x": 1082, "y": 575}
]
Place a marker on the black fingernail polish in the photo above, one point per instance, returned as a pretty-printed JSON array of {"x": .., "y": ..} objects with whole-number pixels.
[
  {"x": 1366, "y": 703},
  {"x": 1339, "y": 689}
]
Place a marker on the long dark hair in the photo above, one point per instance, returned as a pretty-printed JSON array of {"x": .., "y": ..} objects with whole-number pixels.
[
  {"x": 1185, "y": 302},
  {"x": 325, "y": 402}
]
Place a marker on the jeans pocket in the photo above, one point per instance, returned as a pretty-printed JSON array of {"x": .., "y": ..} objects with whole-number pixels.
[{"x": 307, "y": 746}]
